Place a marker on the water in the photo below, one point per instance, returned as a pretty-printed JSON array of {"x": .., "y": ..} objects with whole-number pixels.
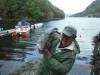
[{"x": 15, "y": 52}]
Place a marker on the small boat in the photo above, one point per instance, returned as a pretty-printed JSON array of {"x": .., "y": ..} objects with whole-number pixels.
[
  {"x": 22, "y": 28},
  {"x": 37, "y": 25}
]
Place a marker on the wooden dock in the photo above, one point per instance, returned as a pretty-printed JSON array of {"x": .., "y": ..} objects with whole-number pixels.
[{"x": 6, "y": 33}]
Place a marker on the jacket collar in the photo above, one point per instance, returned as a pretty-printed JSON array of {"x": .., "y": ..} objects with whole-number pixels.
[{"x": 70, "y": 47}]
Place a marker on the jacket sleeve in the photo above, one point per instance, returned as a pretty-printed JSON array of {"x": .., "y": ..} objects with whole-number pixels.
[{"x": 58, "y": 67}]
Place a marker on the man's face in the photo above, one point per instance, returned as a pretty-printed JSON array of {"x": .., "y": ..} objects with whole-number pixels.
[{"x": 66, "y": 40}]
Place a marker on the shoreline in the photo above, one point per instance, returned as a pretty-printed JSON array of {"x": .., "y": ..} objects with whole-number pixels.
[{"x": 30, "y": 20}]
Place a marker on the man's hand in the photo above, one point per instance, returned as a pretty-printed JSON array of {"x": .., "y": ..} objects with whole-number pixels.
[{"x": 46, "y": 53}]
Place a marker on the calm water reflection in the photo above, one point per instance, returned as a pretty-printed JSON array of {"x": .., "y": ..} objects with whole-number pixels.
[{"x": 17, "y": 48}]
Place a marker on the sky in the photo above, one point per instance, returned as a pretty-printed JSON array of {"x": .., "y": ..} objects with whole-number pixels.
[{"x": 71, "y": 6}]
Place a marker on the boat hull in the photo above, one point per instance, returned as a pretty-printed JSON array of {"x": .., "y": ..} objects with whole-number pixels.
[{"x": 22, "y": 31}]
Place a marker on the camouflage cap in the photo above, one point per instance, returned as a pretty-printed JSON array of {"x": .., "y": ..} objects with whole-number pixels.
[{"x": 69, "y": 31}]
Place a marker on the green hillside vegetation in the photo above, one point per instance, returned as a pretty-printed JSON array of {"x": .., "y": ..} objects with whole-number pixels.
[
  {"x": 35, "y": 10},
  {"x": 93, "y": 10}
]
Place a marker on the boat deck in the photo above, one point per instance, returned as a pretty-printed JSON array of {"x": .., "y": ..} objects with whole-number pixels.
[{"x": 6, "y": 33}]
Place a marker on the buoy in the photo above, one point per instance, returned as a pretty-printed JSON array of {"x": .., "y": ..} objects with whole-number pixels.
[
  {"x": 23, "y": 34},
  {"x": 14, "y": 34}
]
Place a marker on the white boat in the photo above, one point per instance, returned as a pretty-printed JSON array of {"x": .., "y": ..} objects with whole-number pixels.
[
  {"x": 37, "y": 25},
  {"x": 21, "y": 29}
]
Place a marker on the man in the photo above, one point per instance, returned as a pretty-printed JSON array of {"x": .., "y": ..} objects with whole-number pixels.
[{"x": 60, "y": 57}]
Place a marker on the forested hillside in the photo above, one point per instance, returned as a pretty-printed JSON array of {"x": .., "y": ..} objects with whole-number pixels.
[
  {"x": 92, "y": 10},
  {"x": 35, "y": 10}
]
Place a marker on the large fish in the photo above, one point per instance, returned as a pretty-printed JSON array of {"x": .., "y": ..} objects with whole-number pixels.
[{"x": 44, "y": 41}]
